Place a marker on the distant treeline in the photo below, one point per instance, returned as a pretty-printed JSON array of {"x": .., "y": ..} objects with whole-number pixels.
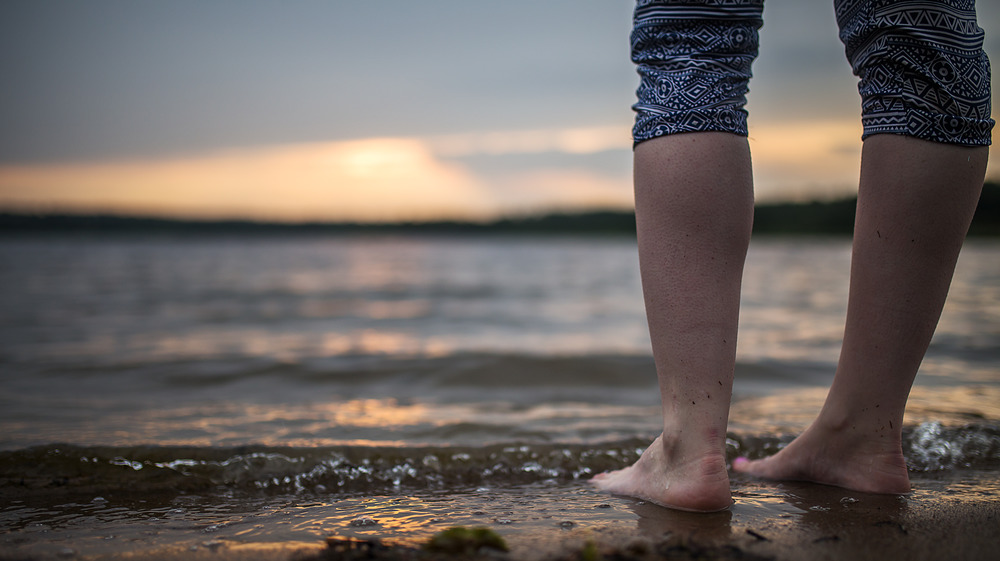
[
  {"x": 815, "y": 218},
  {"x": 837, "y": 217}
]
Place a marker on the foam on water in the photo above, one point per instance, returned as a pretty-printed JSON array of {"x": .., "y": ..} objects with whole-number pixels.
[{"x": 929, "y": 447}]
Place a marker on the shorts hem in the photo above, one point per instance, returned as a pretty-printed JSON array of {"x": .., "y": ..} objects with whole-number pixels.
[
  {"x": 652, "y": 125},
  {"x": 924, "y": 125}
]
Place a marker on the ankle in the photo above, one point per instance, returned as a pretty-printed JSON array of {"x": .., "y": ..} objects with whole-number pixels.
[
  {"x": 705, "y": 462},
  {"x": 865, "y": 428},
  {"x": 692, "y": 442}
]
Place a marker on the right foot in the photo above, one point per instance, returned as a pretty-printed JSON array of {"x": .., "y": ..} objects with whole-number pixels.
[
  {"x": 699, "y": 485},
  {"x": 833, "y": 458}
]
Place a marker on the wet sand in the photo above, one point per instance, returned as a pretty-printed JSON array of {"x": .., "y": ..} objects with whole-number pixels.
[
  {"x": 957, "y": 518},
  {"x": 873, "y": 528}
]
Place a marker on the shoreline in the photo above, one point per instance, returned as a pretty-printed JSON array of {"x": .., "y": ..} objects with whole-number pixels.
[
  {"x": 952, "y": 517},
  {"x": 834, "y": 525},
  {"x": 833, "y": 217}
]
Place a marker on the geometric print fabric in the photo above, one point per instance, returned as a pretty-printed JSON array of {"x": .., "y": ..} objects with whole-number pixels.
[
  {"x": 693, "y": 60},
  {"x": 922, "y": 68},
  {"x": 920, "y": 62}
]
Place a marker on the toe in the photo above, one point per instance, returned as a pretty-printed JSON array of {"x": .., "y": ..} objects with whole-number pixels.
[
  {"x": 742, "y": 465},
  {"x": 757, "y": 468}
]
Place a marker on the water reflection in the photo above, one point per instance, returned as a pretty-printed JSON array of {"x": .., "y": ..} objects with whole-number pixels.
[
  {"x": 824, "y": 508},
  {"x": 84, "y": 299},
  {"x": 658, "y": 524},
  {"x": 789, "y": 412},
  {"x": 766, "y": 517}
]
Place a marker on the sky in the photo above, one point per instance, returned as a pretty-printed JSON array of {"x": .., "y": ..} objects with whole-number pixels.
[{"x": 375, "y": 111}]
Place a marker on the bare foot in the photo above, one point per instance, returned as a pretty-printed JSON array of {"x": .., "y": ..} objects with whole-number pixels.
[
  {"x": 869, "y": 465},
  {"x": 699, "y": 485}
]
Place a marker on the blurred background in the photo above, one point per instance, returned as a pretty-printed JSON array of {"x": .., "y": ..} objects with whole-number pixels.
[
  {"x": 382, "y": 112},
  {"x": 180, "y": 350},
  {"x": 379, "y": 111}
]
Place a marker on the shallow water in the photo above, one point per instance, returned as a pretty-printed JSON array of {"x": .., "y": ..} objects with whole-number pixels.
[
  {"x": 209, "y": 392},
  {"x": 385, "y": 341},
  {"x": 530, "y": 517}
]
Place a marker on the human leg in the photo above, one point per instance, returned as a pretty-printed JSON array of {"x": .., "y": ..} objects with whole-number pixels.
[
  {"x": 694, "y": 207},
  {"x": 926, "y": 117},
  {"x": 915, "y": 203}
]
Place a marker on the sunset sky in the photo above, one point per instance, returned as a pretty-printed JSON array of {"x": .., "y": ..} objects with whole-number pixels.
[{"x": 328, "y": 110}]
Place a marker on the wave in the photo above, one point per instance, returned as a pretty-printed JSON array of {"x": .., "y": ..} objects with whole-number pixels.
[{"x": 929, "y": 448}]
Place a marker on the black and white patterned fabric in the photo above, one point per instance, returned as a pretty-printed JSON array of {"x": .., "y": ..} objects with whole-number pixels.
[
  {"x": 693, "y": 60},
  {"x": 922, "y": 68}
]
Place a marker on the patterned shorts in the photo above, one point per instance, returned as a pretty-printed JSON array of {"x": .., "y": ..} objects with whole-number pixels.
[{"x": 922, "y": 69}]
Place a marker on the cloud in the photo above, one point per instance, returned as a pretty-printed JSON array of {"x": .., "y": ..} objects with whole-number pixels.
[
  {"x": 110, "y": 79},
  {"x": 580, "y": 140},
  {"x": 804, "y": 160},
  {"x": 547, "y": 169},
  {"x": 371, "y": 179},
  {"x": 561, "y": 189},
  {"x": 469, "y": 176},
  {"x": 376, "y": 179}
]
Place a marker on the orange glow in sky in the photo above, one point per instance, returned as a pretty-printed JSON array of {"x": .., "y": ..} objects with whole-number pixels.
[
  {"x": 383, "y": 111},
  {"x": 372, "y": 179},
  {"x": 377, "y": 179},
  {"x": 385, "y": 179}
]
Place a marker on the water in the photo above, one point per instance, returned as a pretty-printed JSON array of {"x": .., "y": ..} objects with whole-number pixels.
[{"x": 178, "y": 392}]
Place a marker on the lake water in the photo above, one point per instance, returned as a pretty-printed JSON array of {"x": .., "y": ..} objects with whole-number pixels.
[{"x": 212, "y": 383}]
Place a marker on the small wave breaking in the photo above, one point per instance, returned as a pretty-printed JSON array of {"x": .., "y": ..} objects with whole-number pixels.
[{"x": 929, "y": 447}]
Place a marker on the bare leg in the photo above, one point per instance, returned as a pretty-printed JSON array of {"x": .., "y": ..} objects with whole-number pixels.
[
  {"x": 694, "y": 208},
  {"x": 915, "y": 203}
]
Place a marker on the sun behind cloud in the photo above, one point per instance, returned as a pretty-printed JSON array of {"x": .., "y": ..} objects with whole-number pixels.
[
  {"x": 400, "y": 178},
  {"x": 369, "y": 180}
]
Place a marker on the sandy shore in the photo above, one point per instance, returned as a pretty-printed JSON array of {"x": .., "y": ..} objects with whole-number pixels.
[
  {"x": 955, "y": 519},
  {"x": 886, "y": 528}
]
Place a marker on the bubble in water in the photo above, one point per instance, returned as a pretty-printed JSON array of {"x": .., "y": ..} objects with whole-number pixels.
[{"x": 933, "y": 447}]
